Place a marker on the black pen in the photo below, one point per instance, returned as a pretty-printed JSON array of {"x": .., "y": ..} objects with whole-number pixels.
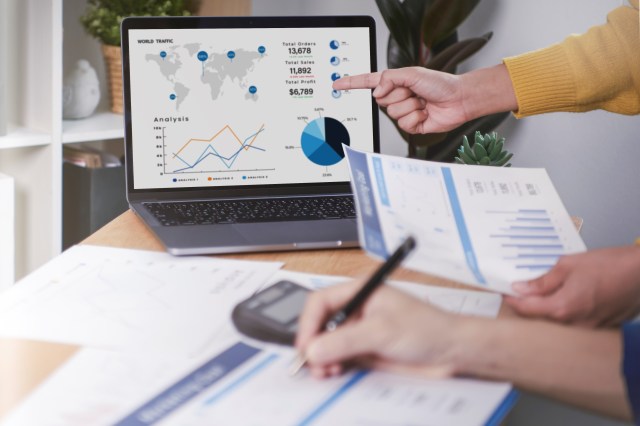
[
  {"x": 361, "y": 296},
  {"x": 376, "y": 280}
]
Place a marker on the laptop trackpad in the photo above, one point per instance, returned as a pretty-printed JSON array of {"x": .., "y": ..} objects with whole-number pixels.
[
  {"x": 299, "y": 231},
  {"x": 202, "y": 236}
]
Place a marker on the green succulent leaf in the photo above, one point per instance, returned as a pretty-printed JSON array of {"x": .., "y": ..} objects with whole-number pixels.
[
  {"x": 491, "y": 146},
  {"x": 479, "y": 151},
  {"x": 502, "y": 155},
  {"x": 497, "y": 149},
  {"x": 466, "y": 158},
  {"x": 484, "y": 161},
  {"x": 466, "y": 146},
  {"x": 441, "y": 19},
  {"x": 457, "y": 160},
  {"x": 503, "y": 161}
]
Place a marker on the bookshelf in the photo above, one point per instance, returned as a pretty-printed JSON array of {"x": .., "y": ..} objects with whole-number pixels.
[{"x": 46, "y": 39}]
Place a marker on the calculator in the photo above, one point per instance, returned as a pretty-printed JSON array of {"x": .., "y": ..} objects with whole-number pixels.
[{"x": 271, "y": 315}]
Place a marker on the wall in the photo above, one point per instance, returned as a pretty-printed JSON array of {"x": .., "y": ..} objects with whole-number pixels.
[{"x": 590, "y": 157}]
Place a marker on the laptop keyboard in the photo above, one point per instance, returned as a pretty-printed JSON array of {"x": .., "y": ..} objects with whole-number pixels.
[{"x": 251, "y": 211}]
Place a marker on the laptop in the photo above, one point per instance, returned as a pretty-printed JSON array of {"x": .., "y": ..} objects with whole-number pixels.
[{"x": 234, "y": 135}]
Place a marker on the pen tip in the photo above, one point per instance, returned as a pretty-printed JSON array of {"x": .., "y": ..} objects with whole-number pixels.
[{"x": 297, "y": 364}]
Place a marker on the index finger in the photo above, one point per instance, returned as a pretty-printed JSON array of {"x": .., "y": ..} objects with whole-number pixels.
[
  {"x": 317, "y": 309},
  {"x": 360, "y": 81}
]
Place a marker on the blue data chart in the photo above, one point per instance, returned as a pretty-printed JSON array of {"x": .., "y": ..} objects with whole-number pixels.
[
  {"x": 322, "y": 141},
  {"x": 527, "y": 238}
]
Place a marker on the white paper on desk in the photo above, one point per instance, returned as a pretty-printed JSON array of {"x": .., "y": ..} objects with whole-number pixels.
[
  {"x": 130, "y": 299},
  {"x": 459, "y": 301},
  {"x": 484, "y": 226},
  {"x": 244, "y": 385}
]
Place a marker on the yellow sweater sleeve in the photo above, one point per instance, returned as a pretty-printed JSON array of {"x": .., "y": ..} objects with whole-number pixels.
[{"x": 596, "y": 70}]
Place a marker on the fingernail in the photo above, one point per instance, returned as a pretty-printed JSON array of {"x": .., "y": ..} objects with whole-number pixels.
[
  {"x": 521, "y": 287},
  {"x": 376, "y": 91}
]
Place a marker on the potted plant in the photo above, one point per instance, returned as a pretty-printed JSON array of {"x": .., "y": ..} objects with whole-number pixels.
[
  {"x": 487, "y": 150},
  {"x": 423, "y": 33},
  {"x": 102, "y": 21}
]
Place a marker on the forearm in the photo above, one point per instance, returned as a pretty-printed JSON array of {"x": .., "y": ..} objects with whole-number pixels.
[
  {"x": 488, "y": 91},
  {"x": 575, "y": 365}
]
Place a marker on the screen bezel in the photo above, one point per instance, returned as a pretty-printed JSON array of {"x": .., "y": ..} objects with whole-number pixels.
[{"x": 137, "y": 23}]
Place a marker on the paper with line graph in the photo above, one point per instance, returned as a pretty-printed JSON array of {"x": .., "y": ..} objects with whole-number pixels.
[
  {"x": 130, "y": 299},
  {"x": 484, "y": 226}
]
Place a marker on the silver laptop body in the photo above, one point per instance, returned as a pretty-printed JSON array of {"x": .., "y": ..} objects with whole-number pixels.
[{"x": 241, "y": 109}]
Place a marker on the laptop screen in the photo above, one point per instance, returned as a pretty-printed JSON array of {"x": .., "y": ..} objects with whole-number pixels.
[{"x": 246, "y": 105}]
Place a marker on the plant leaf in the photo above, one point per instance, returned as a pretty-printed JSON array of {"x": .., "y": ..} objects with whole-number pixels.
[
  {"x": 466, "y": 147},
  {"x": 443, "y": 17},
  {"x": 502, "y": 155},
  {"x": 491, "y": 146},
  {"x": 504, "y": 161},
  {"x": 396, "y": 57},
  {"x": 458, "y": 52},
  {"x": 479, "y": 151},
  {"x": 414, "y": 11},
  {"x": 467, "y": 158},
  {"x": 396, "y": 19},
  {"x": 439, "y": 47},
  {"x": 496, "y": 149}
]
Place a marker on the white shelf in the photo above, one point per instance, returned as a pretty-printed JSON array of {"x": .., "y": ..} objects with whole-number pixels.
[
  {"x": 22, "y": 137},
  {"x": 101, "y": 125}
]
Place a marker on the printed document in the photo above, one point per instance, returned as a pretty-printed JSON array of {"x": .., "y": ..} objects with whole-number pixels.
[
  {"x": 124, "y": 299},
  {"x": 247, "y": 384},
  {"x": 483, "y": 226},
  {"x": 455, "y": 300}
]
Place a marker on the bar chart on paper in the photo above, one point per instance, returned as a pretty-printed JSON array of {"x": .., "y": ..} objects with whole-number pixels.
[
  {"x": 484, "y": 226},
  {"x": 526, "y": 238}
]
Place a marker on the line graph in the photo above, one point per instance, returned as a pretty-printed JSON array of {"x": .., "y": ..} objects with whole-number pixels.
[{"x": 227, "y": 149}]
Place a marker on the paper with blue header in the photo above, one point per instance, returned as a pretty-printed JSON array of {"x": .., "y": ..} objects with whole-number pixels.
[{"x": 483, "y": 226}]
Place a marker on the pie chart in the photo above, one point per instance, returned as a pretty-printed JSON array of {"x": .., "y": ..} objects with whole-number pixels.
[{"x": 322, "y": 141}]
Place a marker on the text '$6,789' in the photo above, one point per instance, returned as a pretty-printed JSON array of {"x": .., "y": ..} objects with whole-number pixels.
[{"x": 302, "y": 91}]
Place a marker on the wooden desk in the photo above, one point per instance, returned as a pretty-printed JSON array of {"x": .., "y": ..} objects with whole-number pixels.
[{"x": 25, "y": 364}]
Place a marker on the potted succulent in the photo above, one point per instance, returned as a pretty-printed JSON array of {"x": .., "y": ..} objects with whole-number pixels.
[
  {"x": 423, "y": 33},
  {"x": 102, "y": 21},
  {"x": 487, "y": 150}
]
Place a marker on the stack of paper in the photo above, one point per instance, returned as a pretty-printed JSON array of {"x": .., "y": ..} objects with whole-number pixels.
[{"x": 160, "y": 349}]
